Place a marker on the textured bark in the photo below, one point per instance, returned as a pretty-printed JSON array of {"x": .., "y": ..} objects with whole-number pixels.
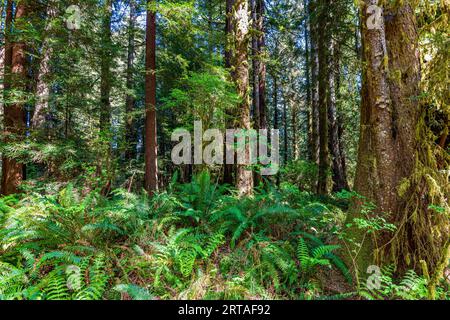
[
  {"x": 275, "y": 104},
  {"x": 260, "y": 9},
  {"x": 42, "y": 85},
  {"x": 255, "y": 67},
  {"x": 285, "y": 131},
  {"x": 228, "y": 168},
  {"x": 309, "y": 107},
  {"x": 421, "y": 236},
  {"x": 130, "y": 125},
  {"x": 338, "y": 158},
  {"x": 151, "y": 144},
  {"x": 386, "y": 150},
  {"x": 228, "y": 32},
  {"x": 105, "y": 94},
  {"x": 294, "y": 123},
  {"x": 404, "y": 78},
  {"x": 105, "y": 81},
  {"x": 276, "y": 114},
  {"x": 241, "y": 79},
  {"x": 324, "y": 41},
  {"x": 314, "y": 87},
  {"x": 15, "y": 77},
  {"x": 2, "y": 53}
]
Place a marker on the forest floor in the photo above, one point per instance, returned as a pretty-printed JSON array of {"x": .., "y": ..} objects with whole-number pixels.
[{"x": 193, "y": 241}]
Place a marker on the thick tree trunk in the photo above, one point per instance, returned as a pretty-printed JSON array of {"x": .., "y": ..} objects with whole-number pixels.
[
  {"x": 15, "y": 77},
  {"x": 422, "y": 234},
  {"x": 378, "y": 172},
  {"x": 151, "y": 144},
  {"x": 324, "y": 41},
  {"x": 130, "y": 125},
  {"x": 241, "y": 79},
  {"x": 42, "y": 85}
]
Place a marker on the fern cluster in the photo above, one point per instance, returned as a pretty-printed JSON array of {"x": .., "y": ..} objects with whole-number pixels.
[{"x": 193, "y": 240}]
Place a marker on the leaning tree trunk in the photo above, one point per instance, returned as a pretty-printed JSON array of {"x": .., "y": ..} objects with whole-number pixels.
[
  {"x": 14, "y": 117},
  {"x": 241, "y": 79},
  {"x": 151, "y": 144}
]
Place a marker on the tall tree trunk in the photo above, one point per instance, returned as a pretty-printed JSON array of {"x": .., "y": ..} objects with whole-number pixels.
[
  {"x": 422, "y": 234},
  {"x": 15, "y": 77},
  {"x": 130, "y": 124},
  {"x": 151, "y": 140},
  {"x": 338, "y": 166},
  {"x": 260, "y": 9},
  {"x": 105, "y": 85},
  {"x": 324, "y": 41},
  {"x": 377, "y": 169},
  {"x": 255, "y": 67},
  {"x": 241, "y": 79},
  {"x": 2, "y": 59},
  {"x": 285, "y": 129},
  {"x": 228, "y": 168},
  {"x": 314, "y": 87},
  {"x": 294, "y": 124},
  {"x": 309, "y": 106},
  {"x": 42, "y": 85},
  {"x": 105, "y": 93},
  {"x": 276, "y": 124}
]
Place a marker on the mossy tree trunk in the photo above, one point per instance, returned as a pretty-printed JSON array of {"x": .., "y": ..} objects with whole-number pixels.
[
  {"x": 240, "y": 64},
  {"x": 388, "y": 150}
]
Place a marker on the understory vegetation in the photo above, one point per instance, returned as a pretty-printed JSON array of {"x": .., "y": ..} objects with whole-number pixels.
[{"x": 194, "y": 241}]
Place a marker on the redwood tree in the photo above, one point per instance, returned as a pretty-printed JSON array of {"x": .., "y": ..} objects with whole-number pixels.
[{"x": 15, "y": 78}]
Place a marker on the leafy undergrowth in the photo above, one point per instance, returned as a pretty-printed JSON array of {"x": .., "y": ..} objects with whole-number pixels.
[{"x": 194, "y": 241}]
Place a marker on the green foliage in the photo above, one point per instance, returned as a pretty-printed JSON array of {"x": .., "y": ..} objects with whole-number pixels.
[
  {"x": 73, "y": 246},
  {"x": 410, "y": 287},
  {"x": 302, "y": 174}
]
